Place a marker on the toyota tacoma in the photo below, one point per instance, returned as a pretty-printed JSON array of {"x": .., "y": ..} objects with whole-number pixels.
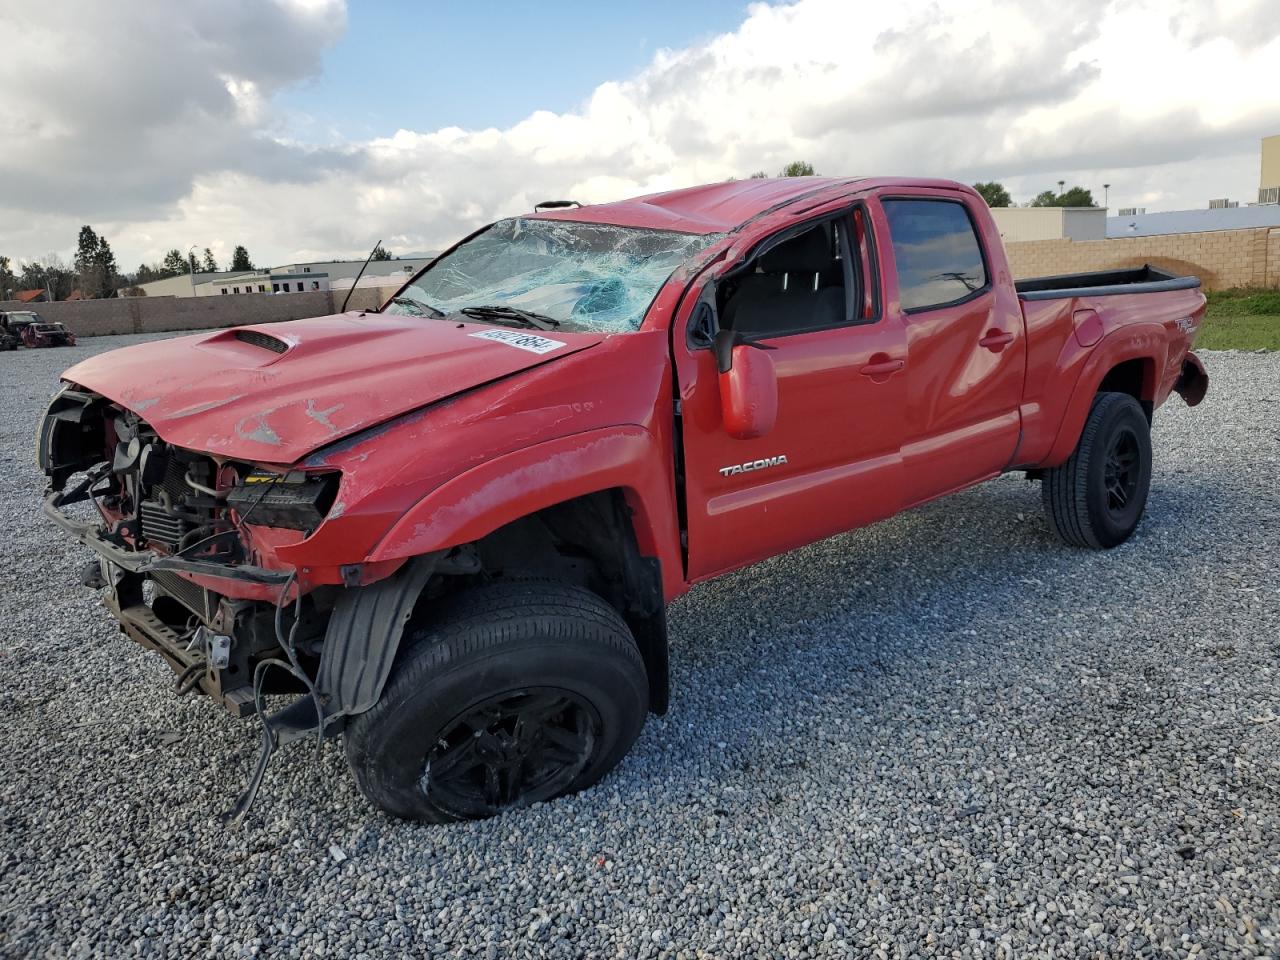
[{"x": 448, "y": 529}]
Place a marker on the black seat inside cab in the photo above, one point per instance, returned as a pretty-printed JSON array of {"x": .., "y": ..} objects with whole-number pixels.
[{"x": 798, "y": 284}]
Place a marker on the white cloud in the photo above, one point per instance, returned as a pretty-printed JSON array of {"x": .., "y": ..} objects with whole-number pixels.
[{"x": 163, "y": 136}]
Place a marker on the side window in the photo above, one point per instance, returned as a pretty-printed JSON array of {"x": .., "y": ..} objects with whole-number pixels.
[
  {"x": 936, "y": 249},
  {"x": 799, "y": 284}
]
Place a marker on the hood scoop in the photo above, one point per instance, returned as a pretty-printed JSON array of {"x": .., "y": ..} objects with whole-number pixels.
[{"x": 264, "y": 340}]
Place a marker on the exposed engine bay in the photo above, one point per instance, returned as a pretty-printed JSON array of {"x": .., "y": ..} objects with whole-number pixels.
[{"x": 186, "y": 546}]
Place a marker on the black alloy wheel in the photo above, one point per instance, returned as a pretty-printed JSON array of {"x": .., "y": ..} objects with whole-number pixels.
[
  {"x": 1096, "y": 499},
  {"x": 1121, "y": 471},
  {"x": 513, "y": 749},
  {"x": 507, "y": 694}
]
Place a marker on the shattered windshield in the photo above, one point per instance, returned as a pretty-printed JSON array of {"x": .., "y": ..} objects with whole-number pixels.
[{"x": 586, "y": 276}]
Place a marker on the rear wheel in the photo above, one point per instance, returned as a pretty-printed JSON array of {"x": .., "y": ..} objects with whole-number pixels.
[
  {"x": 1097, "y": 497},
  {"x": 516, "y": 693}
]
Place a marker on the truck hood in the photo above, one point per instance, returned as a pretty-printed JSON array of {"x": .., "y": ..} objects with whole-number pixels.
[{"x": 276, "y": 392}]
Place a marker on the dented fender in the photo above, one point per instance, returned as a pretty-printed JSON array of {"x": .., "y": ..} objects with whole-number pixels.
[
  {"x": 1147, "y": 342},
  {"x": 480, "y": 500}
]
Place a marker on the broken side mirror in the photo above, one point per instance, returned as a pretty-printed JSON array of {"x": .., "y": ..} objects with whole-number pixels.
[{"x": 748, "y": 386}]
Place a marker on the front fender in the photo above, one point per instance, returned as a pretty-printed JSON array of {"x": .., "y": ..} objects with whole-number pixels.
[
  {"x": 489, "y": 496},
  {"x": 1147, "y": 342}
]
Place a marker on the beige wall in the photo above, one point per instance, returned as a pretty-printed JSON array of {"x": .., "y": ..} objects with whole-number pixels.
[
  {"x": 1221, "y": 259},
  {"x": 92, "y": 318}
]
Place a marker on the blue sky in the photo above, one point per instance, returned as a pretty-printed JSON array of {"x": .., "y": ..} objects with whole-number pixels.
[
  {"x": 423, "y": 66},
  {"x": 306, "y": 129}
]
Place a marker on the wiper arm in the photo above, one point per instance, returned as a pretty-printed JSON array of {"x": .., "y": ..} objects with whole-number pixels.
[
  {"x": 417, "y": 305},
  {"x": 501, "y": 313}
]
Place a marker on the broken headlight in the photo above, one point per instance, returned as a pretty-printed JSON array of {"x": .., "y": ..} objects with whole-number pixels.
[{"x": 294, "y": 500}]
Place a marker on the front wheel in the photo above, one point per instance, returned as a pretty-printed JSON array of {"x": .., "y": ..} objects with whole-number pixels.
[
  {"x": 517, "y": 692},
  {"x": 1097, "y": 497}
]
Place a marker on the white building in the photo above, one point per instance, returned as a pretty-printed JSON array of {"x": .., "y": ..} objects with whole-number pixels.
[
  {"x": 266, "y": 281},
  {"x": 288, "y": 278},
  {"x": 347, "y": 269},
  {"x": 1050, "y": 223},
  {"x": 1194, "y": 221}
]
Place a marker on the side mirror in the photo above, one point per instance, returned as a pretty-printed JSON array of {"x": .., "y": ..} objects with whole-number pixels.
[{"x": 748, "y": 386}]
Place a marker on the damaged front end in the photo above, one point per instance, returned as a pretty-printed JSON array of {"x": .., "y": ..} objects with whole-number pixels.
[{"x": 185, "y": 546}]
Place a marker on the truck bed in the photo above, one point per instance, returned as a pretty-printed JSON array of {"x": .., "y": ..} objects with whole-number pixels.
[{"x": 1103, "y": 283}]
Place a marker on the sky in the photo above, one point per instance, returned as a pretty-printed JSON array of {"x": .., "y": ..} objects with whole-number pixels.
[{"x": 308, "y": 129}]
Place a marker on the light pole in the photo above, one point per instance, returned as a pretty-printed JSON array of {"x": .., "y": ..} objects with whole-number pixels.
[
  {"x": 1106, "y": 196},
  {"x": 191, "y": 267}
]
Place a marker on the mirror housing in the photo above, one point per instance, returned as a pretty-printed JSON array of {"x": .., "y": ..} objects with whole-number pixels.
[{"x": 748, "y": 386}]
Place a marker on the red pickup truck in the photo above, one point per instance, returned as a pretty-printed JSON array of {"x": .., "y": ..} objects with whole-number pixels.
[{"x": 451, "y": 526}]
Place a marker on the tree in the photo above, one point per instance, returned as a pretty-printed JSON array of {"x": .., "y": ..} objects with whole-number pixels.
[
  {"x": 994, "y": 193},
  {"x": 8, "y": 279},
  {"x": 240, "y": 259},
  {"x": 381, "y": 253},
  {"x": 210, "y": 265},
  {"x": 86, "y": 249},
  {"x": 798, "y": 168},
  {"x": 193, "y": 265},
  {"x": 104, "y": 263},
  {"x": 759, "y": 175},
  {"x": 95, "y": 265},
  {"x": 174, "y": 262},
  {"x": 49, "y": 273},
  {"x": 1075, "y": 197}
]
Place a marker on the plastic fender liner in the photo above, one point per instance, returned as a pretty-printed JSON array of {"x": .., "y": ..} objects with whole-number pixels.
[
  {"x": 1193, "y": 382},
  {"x": 364, "y": 634}
]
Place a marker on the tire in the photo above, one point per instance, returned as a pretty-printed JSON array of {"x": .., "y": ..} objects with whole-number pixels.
[
  {"x": 515, "y": 693},
  {"x": 1097, "y": 497}
]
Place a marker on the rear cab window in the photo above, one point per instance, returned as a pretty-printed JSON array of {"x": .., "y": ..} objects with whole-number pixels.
[{"x": 936, "y": 252}]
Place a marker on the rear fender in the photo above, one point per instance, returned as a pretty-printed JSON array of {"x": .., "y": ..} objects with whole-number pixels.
[{"x": 1147, "y": 342}]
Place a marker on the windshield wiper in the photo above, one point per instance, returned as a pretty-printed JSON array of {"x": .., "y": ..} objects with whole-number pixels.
[
  {"x": 417, "y": 305},
  {"x": 500, "y": 313}
]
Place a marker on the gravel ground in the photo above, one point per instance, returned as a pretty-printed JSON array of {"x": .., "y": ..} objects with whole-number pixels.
[{"x": 946, "y": 735}]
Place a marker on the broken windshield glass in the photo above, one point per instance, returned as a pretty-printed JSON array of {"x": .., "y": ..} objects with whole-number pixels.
[{"x": 588, "y": 276}]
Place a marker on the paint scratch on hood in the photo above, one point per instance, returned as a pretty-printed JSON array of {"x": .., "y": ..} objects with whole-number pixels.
[
  {"x": 322, "y": 416},
  {"x": 205, "y": 407},
  {"x": 261, "y": 433}
]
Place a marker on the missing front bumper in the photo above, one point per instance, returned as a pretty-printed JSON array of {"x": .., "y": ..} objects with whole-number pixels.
[
  {"x": 140, "y": 624},
  {"x": 136, "y": 561}
]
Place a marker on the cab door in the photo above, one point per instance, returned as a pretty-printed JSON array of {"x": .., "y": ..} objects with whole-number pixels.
[
  {"x": 965, "y": 340},
  {"x": 832, "y": 461}
]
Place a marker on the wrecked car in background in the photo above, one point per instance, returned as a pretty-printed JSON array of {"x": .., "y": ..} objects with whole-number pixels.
[
  {"x": 451, "y": 526},
  {"x": 30, "y": 330}
]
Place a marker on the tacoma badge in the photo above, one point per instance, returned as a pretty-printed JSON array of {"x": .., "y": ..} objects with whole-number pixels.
[{"x": 753, "y": 465}]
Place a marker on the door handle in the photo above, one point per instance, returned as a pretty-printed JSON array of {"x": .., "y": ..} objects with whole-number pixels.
[
  {"x": 882, "y": 368},
  {"x": 996, "y": 340}
]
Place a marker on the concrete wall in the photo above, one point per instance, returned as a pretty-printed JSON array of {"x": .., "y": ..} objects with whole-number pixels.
[
  {"x": 93, "y": 318},
  {"x": 1221, "y": 259}
]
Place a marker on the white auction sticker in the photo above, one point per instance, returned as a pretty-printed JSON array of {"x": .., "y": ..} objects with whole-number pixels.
[{"x": 523, "y": 341}]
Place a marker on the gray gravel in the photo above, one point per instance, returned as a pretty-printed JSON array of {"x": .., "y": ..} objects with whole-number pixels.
[{"x": 943, "y": 736}]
